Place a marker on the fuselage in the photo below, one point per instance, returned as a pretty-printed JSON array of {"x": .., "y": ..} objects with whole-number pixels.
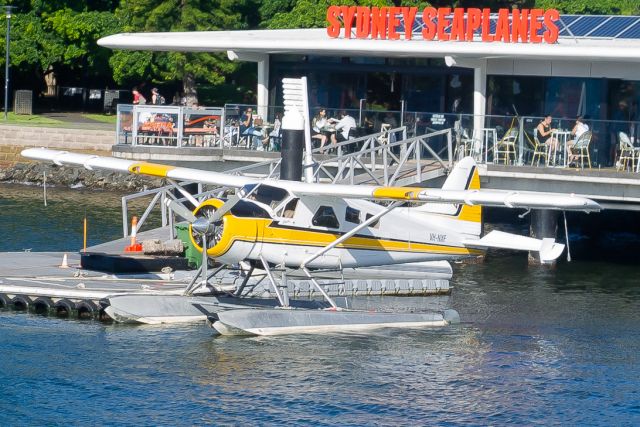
[{"x": 287, "y": 230}]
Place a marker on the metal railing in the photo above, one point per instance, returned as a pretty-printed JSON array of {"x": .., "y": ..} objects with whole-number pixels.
[
  {"x": 171, "y": 126},
  {"x": 381, "y": 159}
]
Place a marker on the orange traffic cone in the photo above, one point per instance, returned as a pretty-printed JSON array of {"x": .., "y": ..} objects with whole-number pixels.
[{"x": 134, "y": 246}]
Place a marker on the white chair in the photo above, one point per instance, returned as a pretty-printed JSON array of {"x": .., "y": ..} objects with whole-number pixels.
[
  {"x": 464, "y": 144},
  {"x": 580, "y": 150},
  {"x": 384, "y": 137},
  {"x": 628, "y": 153}
]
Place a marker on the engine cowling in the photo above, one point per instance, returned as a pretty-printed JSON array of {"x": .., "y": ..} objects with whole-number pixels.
[{"x": 232, "y": 239}]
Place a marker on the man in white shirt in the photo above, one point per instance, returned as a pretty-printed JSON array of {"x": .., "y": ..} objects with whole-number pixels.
[
  {"x": 578, "y": 130},
  {"x": 343, "y": 126}
]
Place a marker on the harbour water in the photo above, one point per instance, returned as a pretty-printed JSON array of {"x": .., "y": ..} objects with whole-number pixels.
[{"x": 536, "y": 346}]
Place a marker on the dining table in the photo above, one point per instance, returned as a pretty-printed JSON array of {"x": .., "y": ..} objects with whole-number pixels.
[{"x": 562, "y": 136}]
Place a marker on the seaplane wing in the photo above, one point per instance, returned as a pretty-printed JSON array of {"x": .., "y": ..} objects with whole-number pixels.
[{"x": 510, "y": 199}]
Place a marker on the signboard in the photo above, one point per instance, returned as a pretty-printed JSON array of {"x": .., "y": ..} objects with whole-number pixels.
[{"x": 444, "y": 24}]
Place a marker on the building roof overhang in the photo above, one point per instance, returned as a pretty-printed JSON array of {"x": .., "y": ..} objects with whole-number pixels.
[{"x": 317, "y": 42}]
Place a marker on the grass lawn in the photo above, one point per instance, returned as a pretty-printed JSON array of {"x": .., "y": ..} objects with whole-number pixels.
[
  {"x": 23, "y": 119},
  {"x": 111, "y": 119}
]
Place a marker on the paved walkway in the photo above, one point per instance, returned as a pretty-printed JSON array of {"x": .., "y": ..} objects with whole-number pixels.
[{"x": 78, "y": 121}]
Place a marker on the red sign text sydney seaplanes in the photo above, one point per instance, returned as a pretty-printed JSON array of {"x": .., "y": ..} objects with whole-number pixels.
[{"x": 511, "y": 26}]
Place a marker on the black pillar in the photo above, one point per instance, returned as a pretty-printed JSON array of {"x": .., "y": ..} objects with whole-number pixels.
[
  {"x": 544, "y": 224},
  {"x": 292, "y": 146}
]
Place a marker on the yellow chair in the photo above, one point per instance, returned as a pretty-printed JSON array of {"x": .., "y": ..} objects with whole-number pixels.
[{"x": 540, "y": 149}]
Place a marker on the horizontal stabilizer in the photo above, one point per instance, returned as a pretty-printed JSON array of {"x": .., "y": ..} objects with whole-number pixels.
[{"x": 549, "y": 250}]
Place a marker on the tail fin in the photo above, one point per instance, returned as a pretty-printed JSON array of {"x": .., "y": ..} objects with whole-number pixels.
[{"x": 464, "y": 176}]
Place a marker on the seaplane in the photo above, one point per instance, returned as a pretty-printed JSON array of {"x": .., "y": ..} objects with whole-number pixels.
[
  {"x": 310, "y": 227},
  {"x": 307, "y": 228}
]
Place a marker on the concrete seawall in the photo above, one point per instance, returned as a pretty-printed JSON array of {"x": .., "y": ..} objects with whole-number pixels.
[
  {"x": 14, "y": 139},
  {"x": 15, "y": 168}
]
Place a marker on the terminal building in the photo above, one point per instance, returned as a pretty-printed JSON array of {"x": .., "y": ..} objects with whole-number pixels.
[
  {"x": 462, "y": 61},
  {"x": 592, "y": 66}
]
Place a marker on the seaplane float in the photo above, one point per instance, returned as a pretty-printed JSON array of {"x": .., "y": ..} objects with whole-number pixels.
[{"x": 280, "y": 226}]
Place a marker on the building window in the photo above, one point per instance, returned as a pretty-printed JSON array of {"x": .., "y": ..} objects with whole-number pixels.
[
  {"x": 352, "y": 215},
  {"x": 325, "y": 217}
]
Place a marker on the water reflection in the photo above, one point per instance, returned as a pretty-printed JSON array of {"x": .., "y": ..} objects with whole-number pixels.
[
  {"x": 536, "y": 345},
  {"x": 28, "y": 224}
]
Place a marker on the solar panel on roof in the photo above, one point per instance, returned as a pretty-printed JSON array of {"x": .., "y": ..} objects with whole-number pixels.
[
  {"x": 631, "y": 33},
  {"x": 492, "y": 24},
  {"x": 579, "y": 26},
  {"x": 613, "y": 27},
  {"x": 583, "y": 26},
  {"x": 566, "y": 20}
]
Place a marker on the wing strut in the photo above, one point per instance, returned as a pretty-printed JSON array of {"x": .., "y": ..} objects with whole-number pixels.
[
  {"x": 184, "y": 192},
  {"x": 349, "y": 234},
  {"x": 338, "y": 241},
  {"x": 284, "y": 301}
]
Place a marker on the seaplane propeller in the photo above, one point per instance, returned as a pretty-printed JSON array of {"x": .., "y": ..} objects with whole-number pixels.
[
  {"x": 206, "y": 227},
  {"x": 206, "y": 224}
]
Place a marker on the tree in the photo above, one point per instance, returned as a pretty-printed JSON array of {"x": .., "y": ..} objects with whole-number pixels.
[
  {"x": 177, "y": 15},
  {"x": 591, "y": 7},
  {"x": 60, "y": 40}
]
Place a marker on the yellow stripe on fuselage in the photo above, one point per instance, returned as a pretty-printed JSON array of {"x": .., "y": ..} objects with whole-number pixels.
[
  {"x": 305, "y": 237},
  {"x": 397, "y": 193},
  {"x": 259, "y": 230},
  {"x": 151, "y": 169}
]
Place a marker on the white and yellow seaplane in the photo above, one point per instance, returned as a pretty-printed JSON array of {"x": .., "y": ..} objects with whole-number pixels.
[{"x": 311, "y": 227}]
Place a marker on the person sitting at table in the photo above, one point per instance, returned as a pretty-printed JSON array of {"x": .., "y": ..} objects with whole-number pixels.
[
  {"x": 544, "y": 134},
  {"x": 209, "y": 138},
  {"x": 317, "y": 125},
  {"x": 578, "y": 129},
  {"x": 247, "y": 128},
  {"x": 273, "y": 141},
  {"x": 343, "y": 126}
]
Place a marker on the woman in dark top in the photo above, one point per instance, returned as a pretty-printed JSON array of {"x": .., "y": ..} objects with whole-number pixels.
[{"x": 545, "y": 131}]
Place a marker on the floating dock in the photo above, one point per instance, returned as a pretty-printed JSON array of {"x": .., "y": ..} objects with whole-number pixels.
[
  {"x": 55, "y": 283},
  {"x": 36, "y": 281}
]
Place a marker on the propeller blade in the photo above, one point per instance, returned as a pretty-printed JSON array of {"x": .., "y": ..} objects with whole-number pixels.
[
  {"x": 219, "y": 213},
  {"x": 204, "y": 258},
  {"x": 181, "y": 210}
]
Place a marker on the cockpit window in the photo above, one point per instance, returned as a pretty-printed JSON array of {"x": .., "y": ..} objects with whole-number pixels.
[
  {"x": 325, "y": 217},
  {"x": 374, "y": 224},
  {"x": 246, "y": 209},
  {"x": 270, "y": 196},
  {"x": 352, "y": 215},
  {"x": 290, "y": 209}
]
